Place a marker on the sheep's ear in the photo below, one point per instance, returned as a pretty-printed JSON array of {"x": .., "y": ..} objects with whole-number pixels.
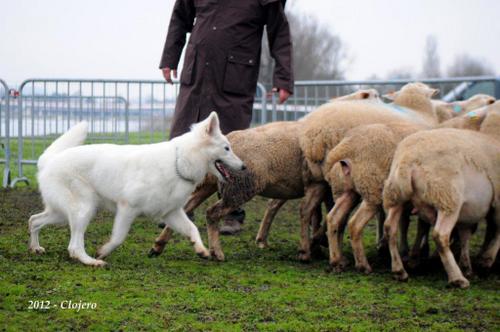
[
  {"x": 391, "y": 95},
  {"x": 433, "y": 92},
  {"x": 212, "y": 124},
  {"x": 346, "y": 167},
  {"x": 365, "y": 95}
]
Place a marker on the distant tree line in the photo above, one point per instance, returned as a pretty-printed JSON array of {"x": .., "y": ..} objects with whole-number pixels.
[{"x": 319, "y": 53}]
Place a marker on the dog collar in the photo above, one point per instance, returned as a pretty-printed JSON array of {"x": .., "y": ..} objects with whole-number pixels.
[{"x": 178, "y": 171}]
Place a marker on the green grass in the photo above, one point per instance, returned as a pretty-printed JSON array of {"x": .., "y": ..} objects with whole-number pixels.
[{"x": 254, "y": 290}]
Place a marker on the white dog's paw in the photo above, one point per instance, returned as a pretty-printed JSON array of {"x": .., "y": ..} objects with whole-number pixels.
[
  {"x": 37, "y": 250},
  {"x": 204, "y": 253},
  {"x": 100, "y": 254},
  {"x": 98, "y": 263}
]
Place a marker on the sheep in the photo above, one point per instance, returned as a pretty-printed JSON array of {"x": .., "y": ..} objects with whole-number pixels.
[
  {"x": 365, "y": 156},
  {"x": 364, "y": 94},
  {"x": 471, "y": 120},
  {"x": 452, "y": 177},
  {"x": 277, "y": 170},
  {"x": 324, "y": 128},
  {"x": 446, "y": 111}
]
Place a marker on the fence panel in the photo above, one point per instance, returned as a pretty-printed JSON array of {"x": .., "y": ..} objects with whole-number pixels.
[
  {"x": 308, "y": 95},
  {"x": 139, "y": 111},
  {"x": 5, "y": 132},
  {"x": 118, "y": 111}
]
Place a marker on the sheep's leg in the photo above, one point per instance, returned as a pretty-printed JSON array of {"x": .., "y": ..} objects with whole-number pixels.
[
  {"x": 390, "y": 230},
  {"x": 313, "y": 197},
  {"x": 420, "y": 248},
  {"x": 318, "y": 233},
  {"x": 273, "y": 207},
  {"x": 356, "y": 224},
  {"x": 404, "y": 225},
  {"x": 161, "y": 241},
  {"x": 316, "y": 219},
  {"x": 490, "y": 232},
  {"x": 214, "y": 215},
  {"x": 492, "y": 241},
  {"x": 328, "y": 200},
  {"x": 336, "y": 221},
  {"x": 441, "y": 234},
  {"x": 382, "y": 245},
  {"x": 199, "y": 196},
  {"x": 319, "y": 237},
  {"x": 465, "y": 233}
]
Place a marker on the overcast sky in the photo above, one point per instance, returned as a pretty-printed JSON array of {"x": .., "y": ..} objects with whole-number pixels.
[{"x": 124, "y": 38}]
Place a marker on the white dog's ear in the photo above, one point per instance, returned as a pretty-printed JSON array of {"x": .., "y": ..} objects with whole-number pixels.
[{"x": 213, "y": 124}]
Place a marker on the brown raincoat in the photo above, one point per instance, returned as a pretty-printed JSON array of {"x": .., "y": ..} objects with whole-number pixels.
[{"x": 222, "y": 58}]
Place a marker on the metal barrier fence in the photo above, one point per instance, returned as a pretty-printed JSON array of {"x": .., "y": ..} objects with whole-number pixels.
[
  {"x": 139, "y": 111},
  {"x": 308, "y": 95},
  {"x": 5, "y": 131},
  {"x": 118, "y": 111}
]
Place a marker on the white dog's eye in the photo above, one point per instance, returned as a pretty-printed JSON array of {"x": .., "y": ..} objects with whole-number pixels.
[{"x": 226, "y": 148}]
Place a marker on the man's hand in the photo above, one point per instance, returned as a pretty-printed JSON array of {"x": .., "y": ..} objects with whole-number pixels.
[
  {"x": 167, "y": 73},
  {"x": 283, "y": 94}
]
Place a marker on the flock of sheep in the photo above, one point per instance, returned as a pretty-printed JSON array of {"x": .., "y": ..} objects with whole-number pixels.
[{"x": 413, "y": 156}]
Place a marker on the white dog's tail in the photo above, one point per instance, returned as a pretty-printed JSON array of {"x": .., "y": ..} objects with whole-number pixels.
[{"x": 75, "y": 136}]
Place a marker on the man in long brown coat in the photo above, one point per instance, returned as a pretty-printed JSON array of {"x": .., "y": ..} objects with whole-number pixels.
[{"x": 221, "y": 63}]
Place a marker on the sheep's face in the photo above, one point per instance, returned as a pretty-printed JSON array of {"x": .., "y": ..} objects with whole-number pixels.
[
  {"x": 478, "y": 101},
  {"x": 366, "y": 94},
  {"x": 413, "y": 88},
  {"x": 369, "y": 94}
]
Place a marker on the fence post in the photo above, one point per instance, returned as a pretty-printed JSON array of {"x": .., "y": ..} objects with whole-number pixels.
[
  {"x": 6, "y": 171},
  {"x": 263, "y": 110},
  {"x": 497, "y": 88},
  {"x": 20, "y": 143}
]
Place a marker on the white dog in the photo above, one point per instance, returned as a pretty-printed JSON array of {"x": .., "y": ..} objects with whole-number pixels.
[{"x": 153, "y": 179}]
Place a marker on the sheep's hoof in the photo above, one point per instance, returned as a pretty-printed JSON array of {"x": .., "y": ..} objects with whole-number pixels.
[
  {"x": 460, "y": 283},
  {"x": 38, "y": 250},
  {"x": 217, "y": 255},
  {"x": 262, "y": 244},
  {"x": 485, "y": 262},
  {"x": 400, "y": 275},
  {"x": 153, "y": 253},
  {"x": 339, "y": 266},
  {"x": 364, "y": 268}
]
